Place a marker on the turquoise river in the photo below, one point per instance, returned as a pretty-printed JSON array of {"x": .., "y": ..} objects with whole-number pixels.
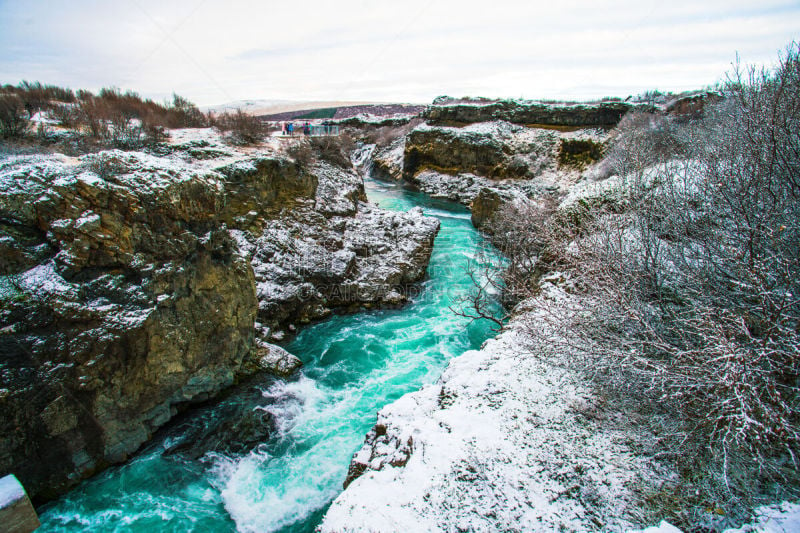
[{"x": 354, "y": 365}]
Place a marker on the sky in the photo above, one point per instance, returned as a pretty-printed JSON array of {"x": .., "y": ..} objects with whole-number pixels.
[{"x": 214, "y": 52}]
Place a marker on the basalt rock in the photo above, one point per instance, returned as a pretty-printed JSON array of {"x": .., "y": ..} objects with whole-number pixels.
[
  {"x": 454, "y": 112},
  {"x": 691, "y": 105},
  {"x": 338, "y": 253},
  {"x": 387, "y": 161},
  {"x": 495, "y": 150},
  {"x": 234, "y": 424},
  {"x": 127, "y": 300}
]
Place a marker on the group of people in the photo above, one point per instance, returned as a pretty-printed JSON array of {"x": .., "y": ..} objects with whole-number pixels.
[{"x": 288, "y": 128}]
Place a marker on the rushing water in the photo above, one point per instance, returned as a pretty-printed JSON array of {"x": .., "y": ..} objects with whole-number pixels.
[{"x": 354, "y": 365}]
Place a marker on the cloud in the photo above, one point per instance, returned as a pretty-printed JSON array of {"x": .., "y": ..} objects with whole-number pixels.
[{"x": 411, "y": 51}]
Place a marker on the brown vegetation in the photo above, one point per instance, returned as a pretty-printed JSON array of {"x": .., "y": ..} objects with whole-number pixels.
[
  {"x": 243, "y": 128},
  {"x": 335, "y": 149},
  {"x": 112, "y": 117}
]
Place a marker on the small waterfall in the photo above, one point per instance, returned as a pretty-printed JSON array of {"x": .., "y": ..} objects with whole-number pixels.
[{"x": 362, "y": 158}]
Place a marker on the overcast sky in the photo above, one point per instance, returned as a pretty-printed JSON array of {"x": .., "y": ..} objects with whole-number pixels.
[{"x": 400, "y": 50}]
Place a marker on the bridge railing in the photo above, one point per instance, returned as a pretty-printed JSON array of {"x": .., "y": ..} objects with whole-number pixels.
[{"x": 324, "y": 129}]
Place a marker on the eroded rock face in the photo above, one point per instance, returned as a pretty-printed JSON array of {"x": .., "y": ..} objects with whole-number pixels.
[
  {"x": 134, "y": 285},
  {"x": 495, "y": 150},
  {"x": 140, "y": 304},
  {"x": 387, "y": 161},
  {"x": 486, "y": 165},
  {"x": 454, "y": 112},
  {"x": 338, "y": 253}
]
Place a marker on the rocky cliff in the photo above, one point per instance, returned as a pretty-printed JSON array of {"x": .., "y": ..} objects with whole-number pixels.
[
  {"x": 459, "y": 112},
  {"x": 125, "y": 299},
  {"x": 135, "y": 284},
  {"x": 485, "y": 165},
  {"x": 335, "y": 252},
  {"x": 495, "y": 150}
]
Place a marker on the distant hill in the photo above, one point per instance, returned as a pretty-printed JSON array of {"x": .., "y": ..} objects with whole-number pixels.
[
  {"x": 346, "y": 111},
  {"x": 272, "y": 107}
]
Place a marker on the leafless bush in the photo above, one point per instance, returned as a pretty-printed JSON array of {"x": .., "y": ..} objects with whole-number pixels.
[
  {"x": 243, "y": 128},
  {"x": 690, "y": 306},
  {"x": 641, "y": 141},
  {"x": 302, "y": 153},
  {"x": 532, "y": 237},
  {"x": 184, "y": 114},
  {"x": 12, "y": 116},
  {"x": 485, "y": 271},
  {"x": 67, "y": 115},
  {"x": 335, "y": 149}
]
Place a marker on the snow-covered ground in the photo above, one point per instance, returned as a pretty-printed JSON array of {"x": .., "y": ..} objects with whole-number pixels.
[
  {"x": 507, "y": 440},
  {"x": 782, "y": 518}
]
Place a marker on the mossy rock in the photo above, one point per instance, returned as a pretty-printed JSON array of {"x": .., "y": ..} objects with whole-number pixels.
[{"x": 579, "y": 153}]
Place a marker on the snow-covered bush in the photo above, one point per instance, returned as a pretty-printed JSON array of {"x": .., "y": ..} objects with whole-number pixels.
[{"x": 691, "y": 287}]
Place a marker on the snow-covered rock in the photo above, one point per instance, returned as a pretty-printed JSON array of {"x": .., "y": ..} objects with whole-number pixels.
[
  {"x": 494, "y": 150},
  {"x": 16, "y": 512}
]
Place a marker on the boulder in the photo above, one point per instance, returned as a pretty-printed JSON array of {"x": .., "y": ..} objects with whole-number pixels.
[
  {"x": 307, "y": 263},
  {"x": 276, "y": 360},
  {"x": 233, "y": 424}
]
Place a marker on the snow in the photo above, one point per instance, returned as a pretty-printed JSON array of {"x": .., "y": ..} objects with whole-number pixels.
[
  {"x": 44, "y": 279},
  {"x": 663, "y": 527},
  {"x": 517, "y": 440},
  {"x": 589, "y": 190},
  {"x": 43, "y": 117},
  {"x": 496, "y": 130},
  {"x": 782, "y": 518},
  {"x": 11, "y": 490},
  {"x": 195, "y": 135}
]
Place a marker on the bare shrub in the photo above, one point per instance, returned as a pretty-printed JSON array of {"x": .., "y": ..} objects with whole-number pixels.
[
  {"x": 67, "y": 115},
  {"x": 689, "y": 296},
  {"x": 302, "y": 153},
  {"x": 335, "y": 149},
  {"x": 111, "y": 117},
  {"x": 184, "y": 114},
  {"x": 243, "y": 128},
  {"x": 12, "y": 116},
  {"x": 641, "y": 141}
]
